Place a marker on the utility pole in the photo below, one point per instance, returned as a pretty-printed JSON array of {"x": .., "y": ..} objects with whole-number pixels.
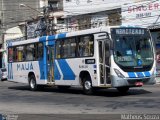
[
  {"x": 46, "y": 11},
  {"x": 3, "y": 35}
]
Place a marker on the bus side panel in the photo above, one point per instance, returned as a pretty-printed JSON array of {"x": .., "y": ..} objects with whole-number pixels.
[
  {"x": 19, "y": 71},
  {"x": 67, "y": 71}
]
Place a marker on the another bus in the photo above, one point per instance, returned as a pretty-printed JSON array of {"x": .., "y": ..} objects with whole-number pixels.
[{"x": 118, "y": 57}]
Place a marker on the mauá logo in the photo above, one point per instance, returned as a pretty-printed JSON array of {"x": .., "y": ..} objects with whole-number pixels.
[{"x": 24, "y": 66}]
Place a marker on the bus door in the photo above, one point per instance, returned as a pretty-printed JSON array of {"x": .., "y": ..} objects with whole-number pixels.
[
  {"x": 104, "y": 55},
  {"x": 50, "y": 63}
]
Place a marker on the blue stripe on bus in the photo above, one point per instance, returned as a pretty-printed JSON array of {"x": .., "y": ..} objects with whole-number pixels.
[
  {"x": 57, "y": 75},
  {"x": 42, "y": 39},
  {"x": 63, "y": 35},
  {"x": 139, "y": 74},
  {"x": 41, "y": 68},
  {"x": 68, "y": 74},
  {"x": 51, "y": 37},
  {"x": 131, "y": 74},
  {"x": 51, "y": 43},
  {"x": 147, "y": 74},
  {"x": 45, "y": 61}
]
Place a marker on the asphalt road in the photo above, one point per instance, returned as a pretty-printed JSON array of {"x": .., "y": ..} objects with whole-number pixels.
[{"x": 50, "y": 102}]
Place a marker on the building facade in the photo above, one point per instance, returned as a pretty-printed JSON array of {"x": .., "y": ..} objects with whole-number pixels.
[
  {"x": 13, "y": 16},
  {"x": 82, "y": 14}
]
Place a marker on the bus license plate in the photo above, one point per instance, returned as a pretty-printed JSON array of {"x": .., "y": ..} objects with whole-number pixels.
[{"x": 139, "y": 83}]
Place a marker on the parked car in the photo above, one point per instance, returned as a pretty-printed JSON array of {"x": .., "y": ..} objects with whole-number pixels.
[{"x": 3, "y": 74}]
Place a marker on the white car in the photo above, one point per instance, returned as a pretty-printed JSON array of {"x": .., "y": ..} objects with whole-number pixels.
[{"x": 3, "y": 74}]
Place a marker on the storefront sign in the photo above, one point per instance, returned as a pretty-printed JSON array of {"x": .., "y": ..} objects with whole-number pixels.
[{"x": 141, "y": 13}]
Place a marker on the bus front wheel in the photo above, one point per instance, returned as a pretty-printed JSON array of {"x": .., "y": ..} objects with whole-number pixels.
[
  {"x": 123, "y": 89},
  {"x": 32, "y": 83},
  {"x": 87, "y": 86}
]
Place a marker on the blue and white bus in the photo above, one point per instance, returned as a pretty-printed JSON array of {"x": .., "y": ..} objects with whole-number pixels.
[{"x": 119, "y": 57}]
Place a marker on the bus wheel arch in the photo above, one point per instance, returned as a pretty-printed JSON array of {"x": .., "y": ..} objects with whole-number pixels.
[
  {"x": 86, "y": 82},
  {"x": 32, "y": 81}
]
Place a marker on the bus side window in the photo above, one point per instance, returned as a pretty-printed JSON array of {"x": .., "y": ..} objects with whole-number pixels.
[
  {"x": 30, "y": 51},
  {"x": 100, "y": 52},
  {"x": 58, "y": 46},
  {"x": 39, "y": 51},
  {"x": 15, "y": 57},
  {"x": 10, "y": 54},
  {"x": 20, "y": 53},
  {"x": 80, "y": 48},
  {"x": 86, "y": 46},
  {"x": 107, "y": 51},
  {"x": 65, "y": 48},
  {"x": 72, "y": 47}
]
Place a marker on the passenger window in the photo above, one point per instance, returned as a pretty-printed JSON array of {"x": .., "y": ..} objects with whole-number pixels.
[
  {"x": 86, "y": 46},
  {"x": 72, "y": 48},
  {"x": 58, "y": 46},
  {"x": 30, "y": 52},
  {"x": 40, "y": 51},
  {"x": 20, "y": 53},
  {"x": 10, "y": 54}
]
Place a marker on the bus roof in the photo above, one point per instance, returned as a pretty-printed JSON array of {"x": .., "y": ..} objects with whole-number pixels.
[{"x": 69, "y": 34}]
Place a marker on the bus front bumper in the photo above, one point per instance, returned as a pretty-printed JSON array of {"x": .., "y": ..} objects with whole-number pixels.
[{"x": 131, "y": 82}]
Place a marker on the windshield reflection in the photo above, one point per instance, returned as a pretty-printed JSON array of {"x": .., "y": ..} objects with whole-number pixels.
[{"x": 133, "y": 51}]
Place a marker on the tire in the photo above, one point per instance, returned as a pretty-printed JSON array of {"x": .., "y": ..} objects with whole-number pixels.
[
  {"x": 123, "y": 90},
  {"x": 32, "y": 83},
  {"x": 3, "y": 80},
  {"x": 87, "y": 86}
]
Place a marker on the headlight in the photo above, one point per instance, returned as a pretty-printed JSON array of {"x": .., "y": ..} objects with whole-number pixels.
[
  {"x": 119, "y": 74},
  {"x": 155, "y": 72}
]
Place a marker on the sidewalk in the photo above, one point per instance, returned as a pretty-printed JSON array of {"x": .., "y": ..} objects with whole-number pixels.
[{"x": 158, "y": 80}]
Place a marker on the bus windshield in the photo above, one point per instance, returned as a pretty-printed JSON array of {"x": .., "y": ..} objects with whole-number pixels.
[{"x": 132, "y": 49}]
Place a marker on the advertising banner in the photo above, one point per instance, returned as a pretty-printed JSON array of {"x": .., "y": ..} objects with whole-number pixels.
[{"x": 144, "y": 13}]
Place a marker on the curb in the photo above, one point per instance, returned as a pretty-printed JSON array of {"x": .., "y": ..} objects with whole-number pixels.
[{"x": 157, "y": 82}]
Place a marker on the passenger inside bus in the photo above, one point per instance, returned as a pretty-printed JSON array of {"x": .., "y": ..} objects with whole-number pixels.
[{"x": 29, "y": 54}]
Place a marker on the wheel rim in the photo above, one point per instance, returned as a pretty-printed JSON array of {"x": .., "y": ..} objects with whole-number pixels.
[
  {"x": 87, "y": 85},
  {"x": 32, "y": 83}
]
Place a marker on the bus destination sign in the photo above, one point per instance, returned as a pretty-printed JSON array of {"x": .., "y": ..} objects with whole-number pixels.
[{"x": 129, "y": 31}]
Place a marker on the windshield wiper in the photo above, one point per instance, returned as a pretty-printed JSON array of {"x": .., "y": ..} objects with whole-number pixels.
[{"x": 138, "y": 67}]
